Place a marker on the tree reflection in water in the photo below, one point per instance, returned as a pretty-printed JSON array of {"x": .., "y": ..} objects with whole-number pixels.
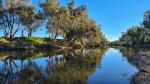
[
  {"x": 139, "y": 57},
  {"x": 74, "y": 66}
]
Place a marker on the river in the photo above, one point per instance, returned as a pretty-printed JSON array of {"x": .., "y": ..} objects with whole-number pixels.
[{"x": 82, "y": 66}]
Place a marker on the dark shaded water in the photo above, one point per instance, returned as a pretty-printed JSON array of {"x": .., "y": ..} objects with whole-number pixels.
[{"x": 92, "y": 66}]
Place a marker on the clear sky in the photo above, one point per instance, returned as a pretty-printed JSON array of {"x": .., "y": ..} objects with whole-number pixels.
[{"x": 114, "y": 16}]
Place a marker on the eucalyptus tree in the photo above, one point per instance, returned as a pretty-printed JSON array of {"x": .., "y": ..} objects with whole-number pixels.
[
  {"x": 146, "y": 21},
  {"x": 30, "y": 19},
  {"x": 77, "y": 18},
  {"x": 81, "y": 26},
  {"x": 51, "y": 11},
  {"x": 70, "y": 21},
  {"x": 9, "y": 18},
  {"x": 134, "y": 36},
  {"x": 63, "y": 21}
]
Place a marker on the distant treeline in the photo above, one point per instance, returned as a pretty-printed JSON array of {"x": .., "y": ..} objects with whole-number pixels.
[
  {"x": 70, "y": 22},
  {"x": 137, "y": 35}
]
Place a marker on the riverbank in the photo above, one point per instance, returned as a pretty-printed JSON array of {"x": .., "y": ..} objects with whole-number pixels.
[
  {"x": 140, "y": 58},
  {"x": 142, "y": 45},
  {"x": 142, "y": 61},
  {"x": 33, "y": 43}
]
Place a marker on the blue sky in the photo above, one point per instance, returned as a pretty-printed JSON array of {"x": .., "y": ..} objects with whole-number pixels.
[{"x": 114, "y": 16}]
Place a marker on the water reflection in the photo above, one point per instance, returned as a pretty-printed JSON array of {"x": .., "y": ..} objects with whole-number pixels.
[
  {"x": 114, "y": 69},
  {"x": 140, "y": 58},
  {"x": 61, "y": 67},
  {"x": 93, "y": 66}
]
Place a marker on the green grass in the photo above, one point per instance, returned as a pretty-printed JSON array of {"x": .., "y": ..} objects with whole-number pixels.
[
  {"x": 3, "y": 40},
  {"x": 32, "y": 40},
  {"x": 37, "y": 40}
]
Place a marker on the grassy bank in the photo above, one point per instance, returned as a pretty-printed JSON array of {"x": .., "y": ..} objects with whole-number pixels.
[{"x": 41, "y": 43}]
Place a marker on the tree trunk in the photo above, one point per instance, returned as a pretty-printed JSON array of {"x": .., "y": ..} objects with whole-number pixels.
[
  {"x": 10, "y": 34},
  {"x": 29, "y": 31},
  {"x": 56, "y": 35},
  {"x": 22, "y": 35}
]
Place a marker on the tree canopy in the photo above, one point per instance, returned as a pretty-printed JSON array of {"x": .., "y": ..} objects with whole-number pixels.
[
  {"x": 137, "y": 35},
  {"x": 70, "y": 22}
]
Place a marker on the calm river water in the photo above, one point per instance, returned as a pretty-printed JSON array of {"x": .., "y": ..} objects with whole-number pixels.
[{"x": 83, "y": 66}]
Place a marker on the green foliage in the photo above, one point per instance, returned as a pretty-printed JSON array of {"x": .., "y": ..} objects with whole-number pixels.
[
  {"x": 135, "y": 36},
  {"x": 30, "y": 19},
  {"x": 70, "y": 22},
  {"x": 9, "y": 16},
  {"x": 51, "y": 11}
]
